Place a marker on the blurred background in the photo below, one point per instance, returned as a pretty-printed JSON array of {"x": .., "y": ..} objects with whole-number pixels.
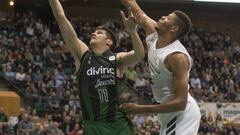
[{"x": 38, "y": 93}]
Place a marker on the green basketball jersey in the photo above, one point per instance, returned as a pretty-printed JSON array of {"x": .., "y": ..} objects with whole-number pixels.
[{"x": 99, "y": 88}]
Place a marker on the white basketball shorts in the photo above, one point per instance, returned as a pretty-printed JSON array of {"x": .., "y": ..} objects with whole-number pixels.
[{"x": 181, "y": 123}]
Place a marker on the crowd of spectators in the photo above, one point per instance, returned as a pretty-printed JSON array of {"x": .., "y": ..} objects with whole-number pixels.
[
  {"x": 216, "y": 71},
  {"x": 35, "y": 60}
]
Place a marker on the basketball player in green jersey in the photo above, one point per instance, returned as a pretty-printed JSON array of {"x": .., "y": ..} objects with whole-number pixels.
[{"x": 97, "y": 71}]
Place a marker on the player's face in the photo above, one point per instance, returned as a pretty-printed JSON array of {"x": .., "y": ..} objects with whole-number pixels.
[
  {"x": 165, "y": 23},
  {"x": 98, "y": 37}
]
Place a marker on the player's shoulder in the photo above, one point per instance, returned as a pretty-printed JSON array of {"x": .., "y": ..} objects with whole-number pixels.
[
  {"x": 176, "y": 60},
  {"x": 177, "y": 55}
]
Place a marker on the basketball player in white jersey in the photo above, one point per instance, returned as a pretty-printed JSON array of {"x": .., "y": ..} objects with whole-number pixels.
[{"x": 169, "y": 64}]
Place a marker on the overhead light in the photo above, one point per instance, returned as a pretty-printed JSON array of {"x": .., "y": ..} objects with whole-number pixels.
[{"x": 11, "y": 3}]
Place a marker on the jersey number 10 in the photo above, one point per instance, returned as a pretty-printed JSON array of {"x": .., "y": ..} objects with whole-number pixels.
[{"x": 103, "y": 95}]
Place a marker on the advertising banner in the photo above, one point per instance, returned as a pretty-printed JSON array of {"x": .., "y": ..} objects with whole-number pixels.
[{"x": 230, "y": 112}]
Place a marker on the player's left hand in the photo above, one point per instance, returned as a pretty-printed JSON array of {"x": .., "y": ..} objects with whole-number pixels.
[{"x": 130, "y": 108}]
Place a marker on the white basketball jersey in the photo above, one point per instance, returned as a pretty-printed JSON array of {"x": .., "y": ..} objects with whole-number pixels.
[
  {"x": 184, "y": 122},
  {"x": 161, "y": 77}
]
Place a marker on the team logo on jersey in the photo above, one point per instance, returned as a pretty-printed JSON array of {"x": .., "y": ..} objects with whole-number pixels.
[
  {"x": 112, "y": 58},
  {"x": 100, "y": 70}
]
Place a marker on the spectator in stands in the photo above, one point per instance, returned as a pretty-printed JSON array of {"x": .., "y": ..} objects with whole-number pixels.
[
  {"x": 37, "y": 129},
  {"x": 195, "y": 82},
  {"x": 2, "y": 129},
  {"x": 55, "y": 130},
  {"x": 20, "y": 75},
  {"x": 139, "y": 82},
  {"x": 67, "y": 125},
  {"x": 25, "y": 126},
  {"x": 219, "y": 123},
  {"x": 139, "y": 85},
  {"x": 9, "y": 74},
  {"x": 139, "y": 120},
  {"x": 42, "y": 89},
  {"x": 46, "y": 129},
  {"x": 204, "y": 128},
  {"x": 75, "y": 130},
  {"x": 3, "y": 116},
  {"x": 37, "y": 76},
  {"x": 13, "y": 122},
  {"x": 54, "y": 102},
  {"x": 22, "y": 111},
  {"x": 74, "y": 103},
  {"x": 131, "y": 75}
]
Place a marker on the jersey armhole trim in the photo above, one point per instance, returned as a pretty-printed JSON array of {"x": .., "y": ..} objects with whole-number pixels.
[
  {"x": 190, "y": 61},
  {"x": 83, "y": 57},
  {"x": 82, "y": 61}
]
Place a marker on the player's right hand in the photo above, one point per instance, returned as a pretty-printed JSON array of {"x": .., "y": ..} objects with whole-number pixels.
[{"x": 129, "y": 22}]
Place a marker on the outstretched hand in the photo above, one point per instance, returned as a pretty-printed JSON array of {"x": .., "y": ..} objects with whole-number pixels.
[{"x": 129, "y": 22}]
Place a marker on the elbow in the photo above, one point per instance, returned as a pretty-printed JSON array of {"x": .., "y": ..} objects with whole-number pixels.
[
  {"x": 138, "y": 57},
  {"x": 182, "y": 105},
  {"x": 141, "y": 56}
]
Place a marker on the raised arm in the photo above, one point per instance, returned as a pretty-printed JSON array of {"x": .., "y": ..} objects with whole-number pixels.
[
  {"x": 76, "y": 46},
  {"x": 132, "y": 57},
  {"x": 141, "y": 18}
]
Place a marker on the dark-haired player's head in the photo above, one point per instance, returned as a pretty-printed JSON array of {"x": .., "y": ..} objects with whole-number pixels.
[
  {"x": 103, "y": 36},
  {"x": 177, "y": 24}
]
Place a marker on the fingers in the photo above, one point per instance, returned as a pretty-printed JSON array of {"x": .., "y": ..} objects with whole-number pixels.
[
  {"x": 123, "y": 108},
  {"x": 130, "y": 13},
  {"x": 123, "y": 15}
]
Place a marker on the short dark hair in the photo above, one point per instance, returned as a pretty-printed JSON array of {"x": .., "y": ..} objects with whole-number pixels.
[
  {"x": 110, "y": 34},
  {"x": 184, "y": 23}
]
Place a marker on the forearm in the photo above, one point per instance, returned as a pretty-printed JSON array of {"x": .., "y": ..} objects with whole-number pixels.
[
  {"x": 57, "y": 9},
  {"x": 137, "y": 11},
  {"x": 64, "y": 25},
  {"x": 141, "y": 18},
  {"x": 137, "y": 45},
  {"x": 68, "y": 33},
  {"x": 168, "y": 107}
]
